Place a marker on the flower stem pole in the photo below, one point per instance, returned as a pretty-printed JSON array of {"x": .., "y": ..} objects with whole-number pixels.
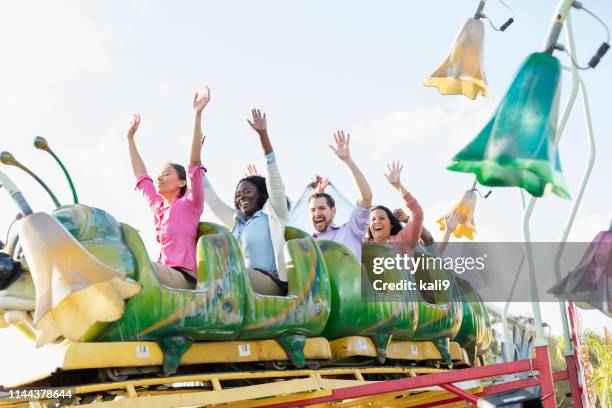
[
  {"x": 563, "y": 9},
  {"x": 478, "y": 13}
]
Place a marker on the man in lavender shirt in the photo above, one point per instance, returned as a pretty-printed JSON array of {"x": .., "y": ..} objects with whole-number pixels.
[{"x": 323, "y": 208}]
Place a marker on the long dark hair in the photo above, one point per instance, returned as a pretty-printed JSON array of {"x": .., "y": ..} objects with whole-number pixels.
[
  {"x": 396, "y": 225},
  {"x": 182, "y": 175},
  {"x": 260, "y": 184}
]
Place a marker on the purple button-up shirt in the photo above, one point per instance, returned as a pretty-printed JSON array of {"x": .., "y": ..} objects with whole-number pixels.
[{"x": 351, "y": 233}]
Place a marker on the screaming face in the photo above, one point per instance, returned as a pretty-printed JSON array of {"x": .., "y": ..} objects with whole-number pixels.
[
  {"x": 247, "y": 198},
  {"x": 380, "y": 225},
  {"x": 321, "y": 214}
]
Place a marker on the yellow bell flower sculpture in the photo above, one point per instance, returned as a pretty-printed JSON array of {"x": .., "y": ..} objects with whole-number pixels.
[
  {"x": 465, "y": 211},
  {"x": 461, "y": 71}
]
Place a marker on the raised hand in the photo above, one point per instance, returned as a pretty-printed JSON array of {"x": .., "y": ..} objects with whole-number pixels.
[
  {"x": 251, "y": 170},
  {"x": 393, "y": 177},
  {"x": 401, "y": 215},
  {"x": 321, "y": 184},
  {"x": 259, "y": 123},
  {"x": 452, "y": 220},
  {"x": 342, "y": 145},
  {"x": 200, "y": 101},
  {"x": 133, "y": 126}
]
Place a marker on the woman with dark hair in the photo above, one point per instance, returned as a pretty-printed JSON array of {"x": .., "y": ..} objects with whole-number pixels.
[
  {"x": 258, "y": 218},
  {"x": 177, "y": 201},
  {"x": 384, "y": 225}
]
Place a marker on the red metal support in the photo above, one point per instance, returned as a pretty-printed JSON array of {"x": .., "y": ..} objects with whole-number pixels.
[
  {"x": 560, "y": 376},
  {"x": 541, "y": 362},
  {"x": 490, "y": 390},
  {"x": 464, "y": 395},
  {"x": 572, "y": 371},
  {"x": 509, "y": 386},
  {"x": 421, "y": 381}
]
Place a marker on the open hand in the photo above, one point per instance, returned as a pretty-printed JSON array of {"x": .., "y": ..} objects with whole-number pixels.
[
  {"x": 401, "y": 215},
  {"x": 200, "y": 101},
  {"x": 133, "y": 126},
  {"x": 320, "y": 184},
  {"x": 251, "y": 170},
  {"x": 452, "y": 220},
  {"x": 259, "y": 123},
  {"x": 342, "y": 145},
  {"x": 393, "y": 177}
]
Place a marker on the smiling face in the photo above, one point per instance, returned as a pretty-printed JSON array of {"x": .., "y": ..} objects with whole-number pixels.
[
  {"x": 247, "y": 198},
  {"x": 321, "y": 213},
  {"x": 168, "y": 182},
  {"x": 380, "y": 225}
]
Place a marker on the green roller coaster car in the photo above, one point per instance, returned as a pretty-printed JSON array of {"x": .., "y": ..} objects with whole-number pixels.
[{"x": 87, "y": 278}]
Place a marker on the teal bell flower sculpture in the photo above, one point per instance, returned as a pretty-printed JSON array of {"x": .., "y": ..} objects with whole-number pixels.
[{"x": 517, "y": 146}]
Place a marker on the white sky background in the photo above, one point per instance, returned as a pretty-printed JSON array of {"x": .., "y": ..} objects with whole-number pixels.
[{"x": 75, "y": 72}]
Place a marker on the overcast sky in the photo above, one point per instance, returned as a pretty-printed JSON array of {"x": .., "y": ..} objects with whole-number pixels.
[{"x": 75, "y": 72}]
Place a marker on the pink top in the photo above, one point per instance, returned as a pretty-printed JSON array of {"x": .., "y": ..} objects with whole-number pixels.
[
  {"x": 176, "y": 224},
  {"x": 406, "y": 240},
  {"x": 409, "y": 236}
]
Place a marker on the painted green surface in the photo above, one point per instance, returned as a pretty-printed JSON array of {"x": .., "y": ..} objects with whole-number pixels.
[
  {"x": 223, "y": 306},
  {"x": 325, "y": 295},
  {"x": 404, "y": 315},
  {"x": 367, "y": 314},
  {"x": 303, "y": 312},
  {"x": 516, "y": 147},
  {"x": 99, "y": 233},
  {"x": 475, "y": 334},
  {"x": 440, "y": 311}
]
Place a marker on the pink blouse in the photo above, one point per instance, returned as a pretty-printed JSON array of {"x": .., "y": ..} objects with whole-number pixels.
[
  {"x": 407, "y": 239},
  {"x": 176, "y": 224}
]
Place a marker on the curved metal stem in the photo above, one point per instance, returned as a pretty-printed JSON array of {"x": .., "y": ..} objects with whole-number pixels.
[
  {"x": 15, "y": 194},
  {"x": 42, "y": 183},
  {"x": 578, "y": 84},
  {"x": 75, "y": 198},
  {"x": 562, "y": 12},
  {"x": 533, "y": 283},
  {"x": 478, "y": 13},
  {"x": 507, "y": 336}
]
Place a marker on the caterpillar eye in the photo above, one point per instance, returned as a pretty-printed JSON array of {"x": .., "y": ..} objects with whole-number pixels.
[{"x": 10, "y": 270}]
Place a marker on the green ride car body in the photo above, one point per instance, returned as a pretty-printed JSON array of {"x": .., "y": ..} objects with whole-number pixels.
[{"x": 325, "y": 296}]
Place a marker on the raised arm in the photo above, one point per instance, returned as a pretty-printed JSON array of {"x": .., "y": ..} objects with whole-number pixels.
[
  {"x": 411, "y": 232},
  {"x": 260, "y": 125},
  {"x": 274, "y": 181},
  {"x": 342, "y": 151},
  {"x": 224, "y": 212},
  {"x": 199, "y": 103},
  {"x": 138, "y": 166},
  {"x": 451, "y": 220}
]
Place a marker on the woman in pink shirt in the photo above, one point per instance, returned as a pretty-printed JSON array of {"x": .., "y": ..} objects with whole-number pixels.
[
  {"x": 385, "y": 227},
  {"x": 177, "y": 201}
]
